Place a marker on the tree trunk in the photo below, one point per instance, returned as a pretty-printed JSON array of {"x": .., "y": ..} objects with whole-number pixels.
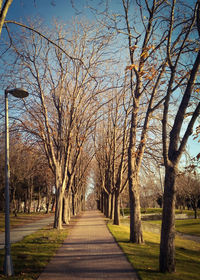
[
  {"x": 73, "y": 205},
  {"x": 195, "y": 210},
  {"x": 83, "y": 203},
  {"x": 30, "y": 196},
  {"x": 167, "y": 247},
  {"x": 111, "y": 206},
  {"x": 48, "y": 203},
  {"x": 105, "y": 204},
  {"x": 102, "y": 202},
  {"x": 98, "y": 204},
  {"x": 116, "y": 209},
  {"x": 195, "y": 213},
  {"x": 136, "y": 235},
  {"x": 108, "y": 205},
  {"x": 18, "y": 205},
  {"x": 25, "y": 202},
  {"x": 48, "y": 200},
  {"x": 65, "y": 213},
  {"x": 39, "y": 199},
  {"x": 14, "y": 201},
  {"x": 77, "y": 204},
  {"x": 59, "y": 208},
  {"x": 69, "y": 208},
  {"x": 53, "y": 204}
]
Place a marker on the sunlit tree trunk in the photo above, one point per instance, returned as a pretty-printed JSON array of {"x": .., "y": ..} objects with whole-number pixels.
[
  {"x": 136, "y": 235},
  {"x": 112, "y": 206},
  {"x": 66, "y": 210}
]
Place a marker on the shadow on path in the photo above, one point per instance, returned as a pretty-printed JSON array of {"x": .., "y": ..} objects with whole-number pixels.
[{"x": 89, "y": 252}]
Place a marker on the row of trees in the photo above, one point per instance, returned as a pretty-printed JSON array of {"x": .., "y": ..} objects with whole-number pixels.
[
  {"x": 64, "y": 100},
  {"x": 162, "y": 88},
  {"x": 187, "y": 193},
  {"x": 32, "y": 184},
  {"x": 83, "y": 104}
]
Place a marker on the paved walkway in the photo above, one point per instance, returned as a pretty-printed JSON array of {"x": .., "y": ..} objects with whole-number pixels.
[
  {"x": 19, "y": 233},
  {"x": 89, "y": 252}
]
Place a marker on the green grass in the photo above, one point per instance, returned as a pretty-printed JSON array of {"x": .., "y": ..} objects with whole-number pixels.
[
  {"x": 151, "y": 210},
  {"x": 144, "y": 211},
  {"x": 191, "y": 226},
  {"x": 31, "y": 255},
  {"x": 187, "y": 226},
  {"x": 21, "y": 219},
  {"x": 159, "y": 211},
  {"x": 145, "y": 257}
]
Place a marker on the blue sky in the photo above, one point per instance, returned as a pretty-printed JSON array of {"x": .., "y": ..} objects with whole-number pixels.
[
  {"x": 62, "y": 10},
  {"x": 194, "y": 146},
  {"x": 46, "y": 9}
]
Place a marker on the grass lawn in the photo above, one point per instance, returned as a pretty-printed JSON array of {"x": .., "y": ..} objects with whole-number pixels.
[
  {"x": 188, "y": 226},
  {"x": 159, "y": 211},
  {"x": 145, "y": 258},
  {"x": 21, "y": 219},
  {"x": 31, "y": 255},
  {"x": 191, "y": 226}
]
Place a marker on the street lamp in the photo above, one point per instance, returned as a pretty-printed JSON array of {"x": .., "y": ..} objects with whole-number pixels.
[{"x": 8, "y": 267}]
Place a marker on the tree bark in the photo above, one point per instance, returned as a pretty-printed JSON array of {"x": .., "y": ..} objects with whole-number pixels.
[
  {"x": 14, "y": 200},
  {"x": 102, "y": 202},
  {"x": 65, "y": 213},
  {"x": 30, "y": 197},
  {"x": 195, "y": 213},
  {"x": 167, "y": 247},
  {"x": 111, "y": 206},
  {"x": 136, "y": 235},
  {"x": 73, "y": 204},
  {"x": 59, "y": 209},
  {"x": 39, "y": 201},
  {"x": 116, "y": 209},
  {"x": 108, "y": 205}
]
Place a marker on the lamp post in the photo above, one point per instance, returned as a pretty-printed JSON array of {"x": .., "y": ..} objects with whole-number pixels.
[{"x": 8, "y": 267}]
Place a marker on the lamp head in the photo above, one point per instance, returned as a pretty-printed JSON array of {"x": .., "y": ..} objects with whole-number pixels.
[{"x": 18, "y": 92}]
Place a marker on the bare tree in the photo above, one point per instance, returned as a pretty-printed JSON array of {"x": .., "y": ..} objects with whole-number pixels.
[
  {"x": 145, "y": 89},
  {"x": 188, "y": 191},
  {"x": 111, "y": 153},
  {"x": 140, "y": 24},
  {"x": 183, "y": 57},
  {"x": 103, "y": 170},
  {"x": 79, "y": 185},
  {"x": 64, "y": 91}
]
